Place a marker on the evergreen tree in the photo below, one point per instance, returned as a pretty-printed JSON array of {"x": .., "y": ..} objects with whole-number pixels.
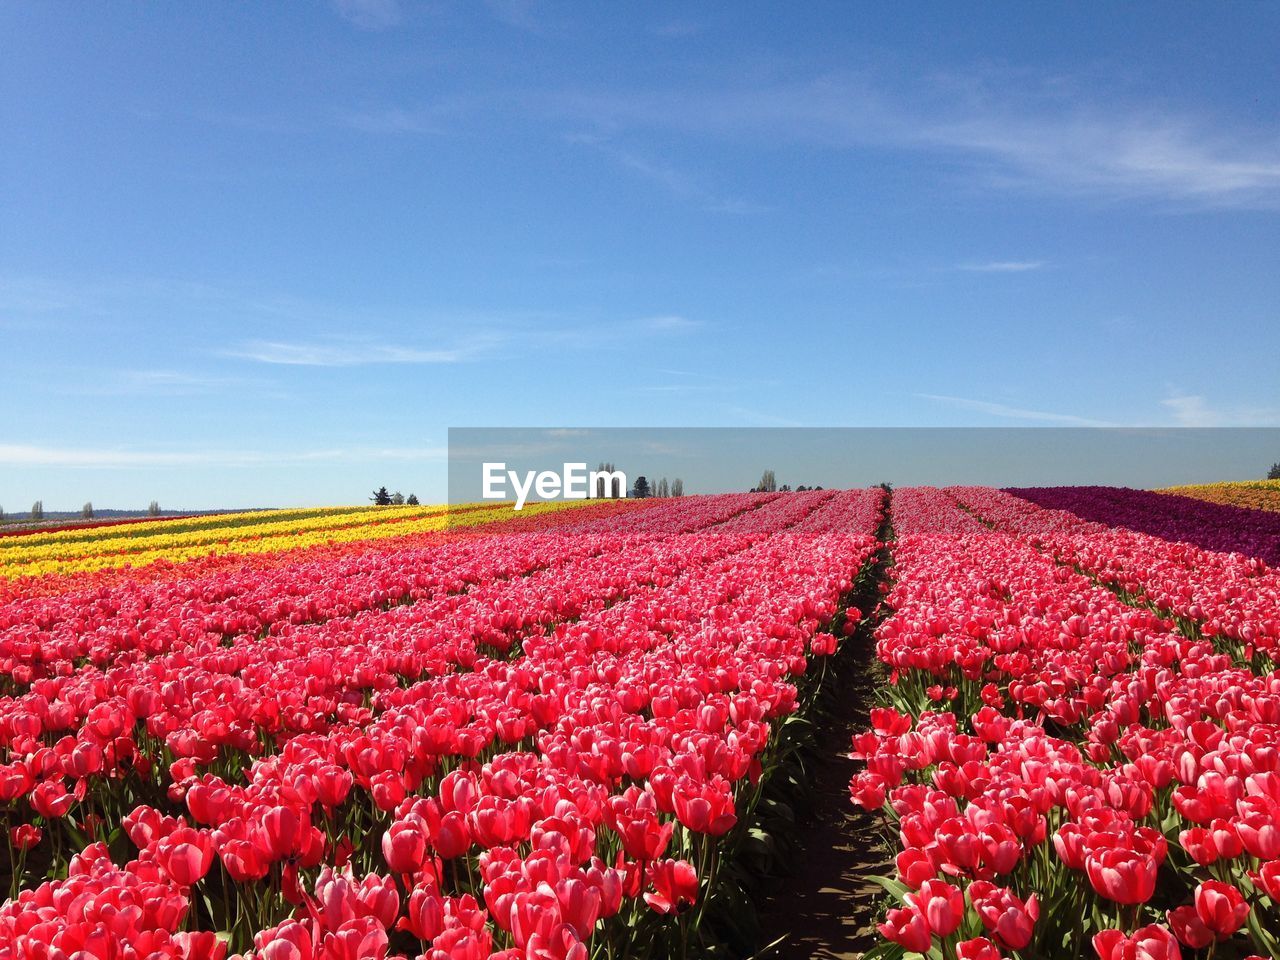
[
  {"x": 607, "y": 489},
  {"x": 1274, "y": 472},
  {"x": 412, "y": 500},
  {"x": 641, "y": 488},
  {"x": 381, "y": 497}
]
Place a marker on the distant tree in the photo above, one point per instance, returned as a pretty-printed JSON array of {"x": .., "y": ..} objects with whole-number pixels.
[
  {"x": 817, "y": 488},
  {"x": 663, "y": 489},
  {"x": 411, "y": 500},
  {"x": 381, "y": 497},
  {"x": 153, "y": 509},
  {"x": 786, "y": 488},
  {"x": 37, "y": 510},
  {"x": 607, "y": 489},
  {"x": 1274, "y": 472},
  {"x": 397, "y": 499},
  {"x": 768, "y": 482},
  {"x": 1, "y": 514},
  {"x": 641, "y": 488},
  {"x": 801, "y": 489},
  {"x": 87, "y": 510},
  {"x": 677, "y": 487}
]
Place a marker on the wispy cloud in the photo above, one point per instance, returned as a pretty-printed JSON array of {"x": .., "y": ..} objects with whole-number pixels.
[
  {"x": 344, "y": 354},
  {"x": 1008, "y": 132},
  {"x": 677, "y": 29},
  {"x": 369, "y": 14},
  {"x": 1003, "y": 266},
  {"x": 124, "y": 458},
  {"x": 157, "y": 382},
  {"x": 1014, "y": 413},
  {"x": 392, "y": 120},
  {"x": 670, "y": 322},
  {"x": 1194, "y": 410},
  {"x": 758, "y": 418},
  {"x": 514, "y": 13},
  {"x": 674, "y": 180}
]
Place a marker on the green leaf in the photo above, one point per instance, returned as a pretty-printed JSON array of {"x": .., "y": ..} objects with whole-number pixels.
[{"x": 895, "y": 887}]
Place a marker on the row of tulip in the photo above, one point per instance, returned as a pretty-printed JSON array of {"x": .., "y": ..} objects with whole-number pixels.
[
  {"x": 143, "y": 527},
  {"x": 561, "y": 794},
  {"x": 1067, "y": 773},
  {"x": 164, "y": 569},
  {"x": 1254, "y": 494},
  {"x": 1211, "y": 526},
  {"x": 266, "y": 535},
  {"x": 1233, "y": 599},
  {"x": 279, "y": 634},
  {"x": 50, "y": 635}
]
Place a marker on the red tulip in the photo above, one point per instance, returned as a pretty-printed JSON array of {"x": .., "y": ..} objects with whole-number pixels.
[
  {"x": 1152, "y": 942},
  {"x": 941, "y": 904},
  {"x": 1124, "y": 876},
  {"x": 1189, "y": 928},
  {"x": 1221, "y": 907},
  {"x": 404, "y": 845},
  {"x": 1267, "y": 878},
  {"x": 907, "y": 927},
  {"x": 675, "y": 885},
  {"x": 1009, "y": 919},
  {"x": 979, "y": 948},
  {"x": 25, "y": 836}
]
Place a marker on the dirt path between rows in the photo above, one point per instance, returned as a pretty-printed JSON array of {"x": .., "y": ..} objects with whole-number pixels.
[{"x": 826, "y": 907}]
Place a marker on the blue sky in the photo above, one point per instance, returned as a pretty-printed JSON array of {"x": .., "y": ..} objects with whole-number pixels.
[{"x": 268, "y": 253}]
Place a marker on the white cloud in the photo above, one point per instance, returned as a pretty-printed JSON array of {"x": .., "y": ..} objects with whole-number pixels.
[
  {"x": 1009, "y": 131},
  {"x": 514, "y": 13},
  {"x": 369, "y": 14},
  {"x": 674, "y": 180},
  {"x": 1003, "y": 266},
  {"x": 670, "y": 322},
  {"x": 22, "y": 455},
  {"x": 392, "y": 120},
  {"x": 1193, "y": 410},
  {"x": 340, "y": 354},
  {"x": 1014, "y": 413}
]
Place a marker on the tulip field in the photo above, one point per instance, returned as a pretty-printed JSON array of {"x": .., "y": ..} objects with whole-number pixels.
[{"x": 562, "y": 734}]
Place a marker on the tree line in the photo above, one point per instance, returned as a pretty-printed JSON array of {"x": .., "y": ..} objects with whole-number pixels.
[
  {"x": 87, "y": 512},
  {"x": 769, "y": 484},
  {"x": 381, "y": 498}
]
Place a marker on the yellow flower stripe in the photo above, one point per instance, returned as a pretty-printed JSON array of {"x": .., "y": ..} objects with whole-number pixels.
[
  {"x": 1257, "y": 494},
  {"x": 165, "y": 526},
  {"x": 365, "y": 523},
  {"x": 249, "y": 527}
]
